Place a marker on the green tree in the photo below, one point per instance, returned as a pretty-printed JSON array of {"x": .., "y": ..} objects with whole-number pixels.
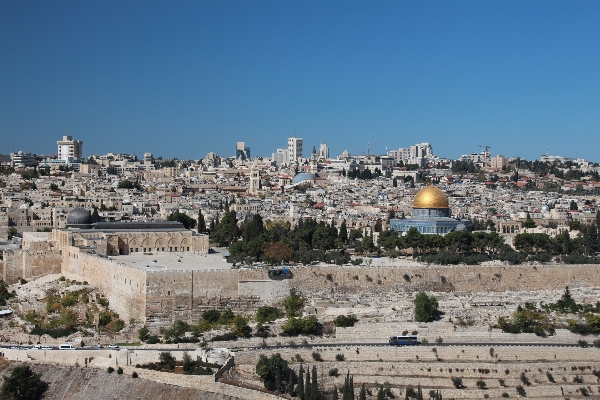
[
  {"x": 22, "y": 384},
  {"x": 201, "y": 223},
  {"x": 253, "y": 229},
  {"x": 270, "y": 368},
  {"x": 10, "y": 232},
  {"x": 343, "y": 234},
  {"x": 573, "y": 206},
  {"x": 300, "y": 386},
  {"x": 4, "y": 293},
  {"x": 95, "y": 216},
  {"x": 294, "y": 304},
  {"x": 187, "y": 221},
  {"x": 143, "y": 334},
  {"x": 426, "y": 307},
  {"x": 267, "y": 314}
]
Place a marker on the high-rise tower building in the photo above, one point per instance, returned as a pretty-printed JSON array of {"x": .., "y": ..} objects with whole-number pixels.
[
  {"x": 242, "y": 152},
  {"x": 294, "y": 149},
  {"x": 67, "y": 147}
]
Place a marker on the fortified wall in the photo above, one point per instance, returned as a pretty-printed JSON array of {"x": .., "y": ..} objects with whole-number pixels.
[
  {"x": 321, "y": 281},
  {"x": 124, "y": 286},
  {"x": 38, "y": 257}
]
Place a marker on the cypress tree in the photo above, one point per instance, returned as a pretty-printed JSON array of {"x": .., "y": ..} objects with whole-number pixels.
[
  {"x": 307, "y": 386},
  {"x": 335, "y": 394},
  {"x": 343, "y": 235},
  {"x": 201, "y": 222},
  {"x": 380, "y": 394},
  {"x": 289, "y": 389},
  {"x": 300, "y": 387},
  {"x": 314, "y": 393},
  {"x": 363, "y": 393}
]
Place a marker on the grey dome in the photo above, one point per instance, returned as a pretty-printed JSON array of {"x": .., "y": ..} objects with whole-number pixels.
[
  {"x": 79, "y": 216},
  {"x": 304, "y": 176}
]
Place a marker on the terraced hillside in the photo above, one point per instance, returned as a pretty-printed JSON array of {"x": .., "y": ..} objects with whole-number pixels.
[
  {"x": 75, "y": 383},
  {"x": 485, "y": 371}
]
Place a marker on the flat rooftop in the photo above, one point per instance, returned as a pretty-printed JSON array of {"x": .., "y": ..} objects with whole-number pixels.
[{"x": 174, "y": 261}]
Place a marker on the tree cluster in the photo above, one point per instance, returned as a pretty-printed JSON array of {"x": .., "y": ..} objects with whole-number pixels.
[
  {"x": 542, "y": 320},
  {"x": 308, "y": 242},
  {"x": 187, "y": 221}
]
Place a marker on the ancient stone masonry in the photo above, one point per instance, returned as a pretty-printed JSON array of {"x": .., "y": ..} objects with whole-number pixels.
[
  {"x": 183, "y": 295},
  {"x": 30, "y": 263},
  {"x": 477, "y": 278},
  {"x": 124, "y": 286}
]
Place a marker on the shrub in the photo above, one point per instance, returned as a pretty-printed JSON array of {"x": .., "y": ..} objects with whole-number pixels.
[
  {"x": 439, "y": 340},
  {"x": 317, "y": 356},
  {"x": 167, "y": 360},
  {"x": 345, "y": 321},
  {"x": 340, "y": 357},
  {"x": 524, "y": 379},
  {"x": 110, "y": 370},
  {"x": 298, "y": 358},
  {"x": 481, "y": 384},
  {"x": 550, "y": 377},
  {"x": 584, "y": 391},
  {"x": 501, "y": 382},
  {"x": 134, "y": 375},
  {"x": 504, "y": 394},
  {"x": 457, "y": 382},
  {"x": 577, "y": 379},
  {"x": 268, "y": 314},
  {"x": 521, "y": 391},
  {"x": 102, "y": 301},
  {"x": 120, "y": 371},
  {"x": 333, "y": 372},
  {"x": 582, "y": 343}
]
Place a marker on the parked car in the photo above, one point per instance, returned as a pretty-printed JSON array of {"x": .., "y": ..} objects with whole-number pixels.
[
  {"x": 113, "y": 346},
  {"x": 97, "y": 346}
]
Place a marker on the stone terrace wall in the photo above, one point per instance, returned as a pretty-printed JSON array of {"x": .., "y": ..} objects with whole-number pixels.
[
  {"x": 124, "y": 286},
  {"x": 353, "y": 279},
  {"x": 507, "y": 355}
]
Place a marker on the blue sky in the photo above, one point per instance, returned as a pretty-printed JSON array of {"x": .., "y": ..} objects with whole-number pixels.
[{"x": 182, "y": 78}]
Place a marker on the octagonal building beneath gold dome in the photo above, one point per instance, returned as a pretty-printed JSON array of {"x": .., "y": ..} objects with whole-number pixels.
[
  {"x": 430, "y": 197},
  {"x": 430, "y": 215}
]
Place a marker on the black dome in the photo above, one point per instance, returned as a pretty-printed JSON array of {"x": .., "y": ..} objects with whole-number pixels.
[{"x": 79, "y": 216}]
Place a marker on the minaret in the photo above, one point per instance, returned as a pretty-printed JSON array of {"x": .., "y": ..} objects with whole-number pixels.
[
  {"x": 313, "y": 161},
  {"x": 254, "y": 178}
]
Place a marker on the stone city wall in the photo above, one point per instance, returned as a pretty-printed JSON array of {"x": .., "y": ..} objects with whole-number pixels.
[
  {"x": 29, "y": 264},
  {"x": 325, "y": 280},
  {"x": 124, "y": 286},
  {"x": 183, "y": 295}
]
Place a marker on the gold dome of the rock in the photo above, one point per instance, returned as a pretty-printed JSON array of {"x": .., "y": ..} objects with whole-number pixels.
[{"x": 430, "y": 197}]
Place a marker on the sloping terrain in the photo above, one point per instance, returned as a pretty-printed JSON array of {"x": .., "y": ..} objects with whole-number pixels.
[{"x": 83, "y": 384}]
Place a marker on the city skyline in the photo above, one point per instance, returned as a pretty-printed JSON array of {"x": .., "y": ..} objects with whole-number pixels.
[{"x": 183, "y": 79}]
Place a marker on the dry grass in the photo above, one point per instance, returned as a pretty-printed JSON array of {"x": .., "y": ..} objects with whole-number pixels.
[{"x": 3, "y": 363}]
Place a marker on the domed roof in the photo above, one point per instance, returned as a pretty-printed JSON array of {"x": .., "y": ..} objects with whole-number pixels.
[
  {"x": 303, "y": 176},
  {"x": 79, "y": 216},
  {"x": 430, "y": 197}
]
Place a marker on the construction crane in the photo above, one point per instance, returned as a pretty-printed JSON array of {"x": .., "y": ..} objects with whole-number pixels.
[{"x": 485, "y": 148}]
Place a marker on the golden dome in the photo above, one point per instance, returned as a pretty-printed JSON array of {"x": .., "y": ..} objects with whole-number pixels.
[{"x": 430, "y": 197}]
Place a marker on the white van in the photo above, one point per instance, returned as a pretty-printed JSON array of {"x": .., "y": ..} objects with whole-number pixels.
[{"x": 66, "y": 346}]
